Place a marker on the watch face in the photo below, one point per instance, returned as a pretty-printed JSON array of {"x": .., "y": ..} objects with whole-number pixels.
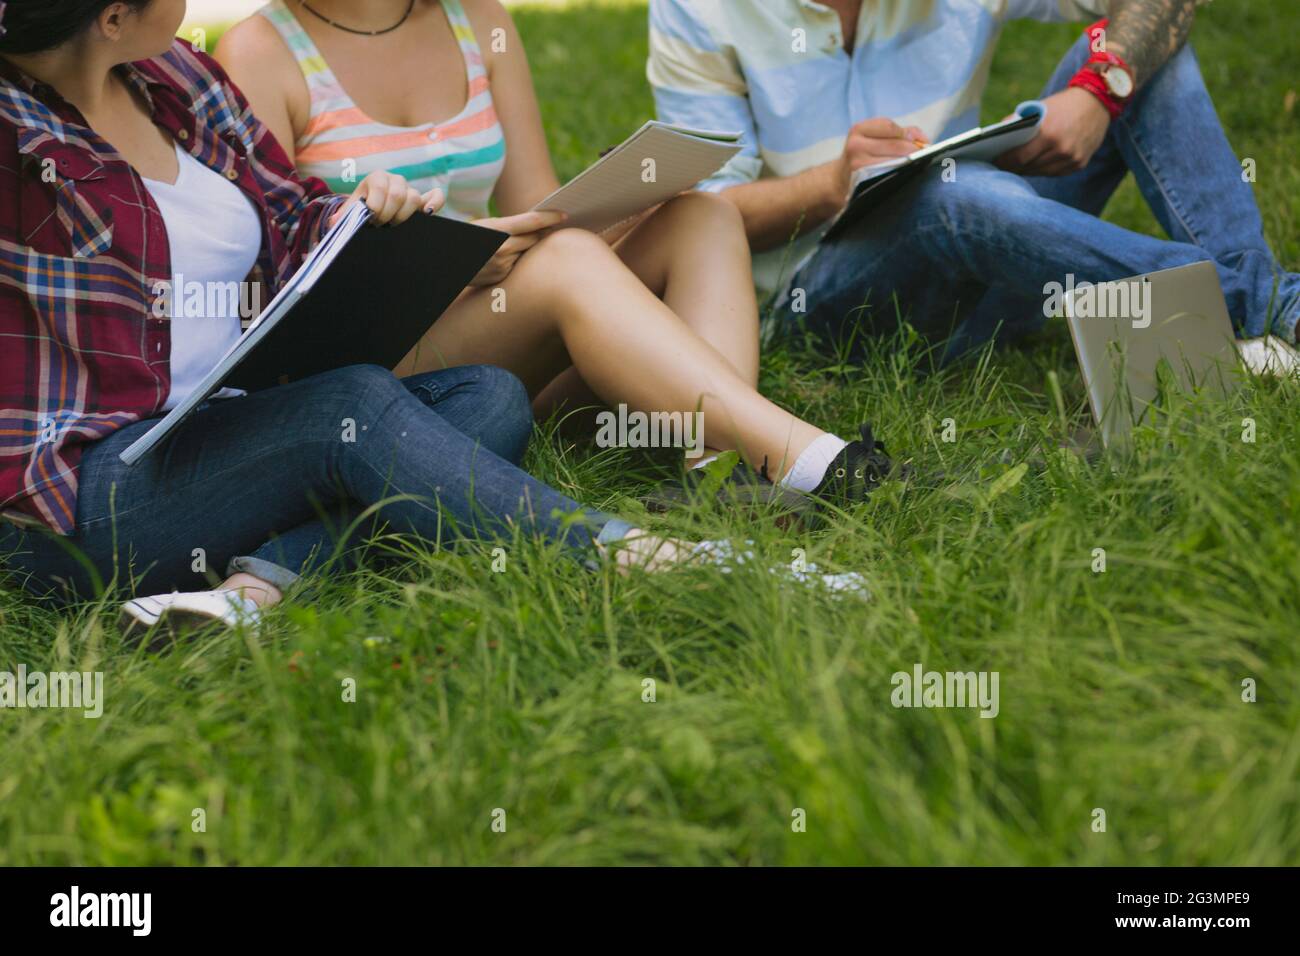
[{"x": 1119, "y": 82}]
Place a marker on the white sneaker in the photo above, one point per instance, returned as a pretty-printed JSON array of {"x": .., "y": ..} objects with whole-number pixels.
[
  {"x": 724, "y": 555},
  {"x": 1269, "y": 356},
  {"x": 181, "y": 613}
]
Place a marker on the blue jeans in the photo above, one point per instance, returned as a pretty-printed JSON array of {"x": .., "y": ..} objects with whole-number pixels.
[
  {"x": 965, "y": 257},
  {"x": 269, "y": 483}
]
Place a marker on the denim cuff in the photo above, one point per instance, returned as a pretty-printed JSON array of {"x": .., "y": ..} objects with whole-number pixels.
[
  {"x": 281, "y": 578},
  {"x": 615, "y": 529},
  {"x": 1284, "y": 327}
]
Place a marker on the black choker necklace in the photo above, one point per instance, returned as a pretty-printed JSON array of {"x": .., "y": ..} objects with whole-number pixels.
[{"x": 364, "y": 33}]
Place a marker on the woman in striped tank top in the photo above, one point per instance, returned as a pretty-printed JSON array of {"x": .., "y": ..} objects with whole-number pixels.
[{"x": 661, "y": 317}]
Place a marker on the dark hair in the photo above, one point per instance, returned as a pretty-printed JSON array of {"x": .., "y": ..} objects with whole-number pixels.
[{"x": 33, "y": 26}]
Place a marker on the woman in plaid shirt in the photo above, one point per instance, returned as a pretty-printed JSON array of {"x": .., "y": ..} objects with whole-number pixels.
[{"x": 108, "y": 128}]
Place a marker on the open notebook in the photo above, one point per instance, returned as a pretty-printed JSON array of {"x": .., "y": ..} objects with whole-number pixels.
[
  {"x": 361, "y": 297},
  {"x": 871, "y": 184},
  {"x": 653, "y": 165}
]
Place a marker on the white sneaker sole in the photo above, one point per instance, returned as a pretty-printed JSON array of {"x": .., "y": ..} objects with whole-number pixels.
[
  {"x": 135, "y": 618},
  {"x": 173, "y": 623}
]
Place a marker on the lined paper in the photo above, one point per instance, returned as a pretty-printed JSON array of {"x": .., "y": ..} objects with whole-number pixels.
[{"x": 615, "y": 188}]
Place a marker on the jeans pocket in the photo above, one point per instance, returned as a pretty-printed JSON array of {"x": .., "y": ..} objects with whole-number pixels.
[
  {"x": 427, "y": 392},
  {"x": 432, "y": 387}
]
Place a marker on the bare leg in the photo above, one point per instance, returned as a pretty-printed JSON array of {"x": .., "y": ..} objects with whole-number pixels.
[
  {"x": 693, "y": 254},
  {"x": 569, "y": 394},
  {"x": 571, "y": 301}
]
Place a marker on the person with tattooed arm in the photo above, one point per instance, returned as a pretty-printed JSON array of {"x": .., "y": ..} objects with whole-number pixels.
[{"x": 822, "y": 90}]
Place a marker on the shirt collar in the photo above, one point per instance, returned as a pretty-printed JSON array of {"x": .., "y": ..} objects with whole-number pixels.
[{"x": 148, "y": 85}]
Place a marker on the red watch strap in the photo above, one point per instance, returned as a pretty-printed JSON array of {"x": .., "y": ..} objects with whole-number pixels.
[
  {"x": 1095, "y": 31},
  {"x": 1092, "y": 82},
  {"x": 1110, "y": 59}
]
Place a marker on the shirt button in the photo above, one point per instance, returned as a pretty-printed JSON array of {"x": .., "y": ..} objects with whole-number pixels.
[
  {"x": 183, "y": 135},
  {"x": 232, "y": 174}
]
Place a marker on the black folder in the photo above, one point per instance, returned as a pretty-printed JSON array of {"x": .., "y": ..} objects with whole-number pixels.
[
  {"x": 379, "y": 296},
  {"x": 383, "y": 290}
]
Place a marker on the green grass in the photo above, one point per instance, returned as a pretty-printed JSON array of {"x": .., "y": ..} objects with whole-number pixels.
[{"x": 523, "y": 690}]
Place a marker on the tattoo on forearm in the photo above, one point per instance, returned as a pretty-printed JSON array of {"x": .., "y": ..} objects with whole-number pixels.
[{"x": 1146, "y": 33}]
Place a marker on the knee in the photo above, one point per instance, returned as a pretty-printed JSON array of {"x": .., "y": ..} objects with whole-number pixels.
[
  {"x": 972, "y": 202},
  {"x": 367, "y": 380},
  {"x": 356, "y": 392},
  {"x": 704, "y": 210},
  {"x": 503, "y": 385},
  {"x": 559, "y": 264},
  {"x": 567, "y": 249},
  {"x": 360, "y": 378},
  {"x": 506, "y": 424}
]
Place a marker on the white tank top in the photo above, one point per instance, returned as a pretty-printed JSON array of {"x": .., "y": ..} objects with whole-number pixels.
[{"x": 215, "y": 234}]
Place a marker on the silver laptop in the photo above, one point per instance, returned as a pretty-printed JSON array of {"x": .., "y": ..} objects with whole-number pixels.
[{"x": 1126, "y": 331}]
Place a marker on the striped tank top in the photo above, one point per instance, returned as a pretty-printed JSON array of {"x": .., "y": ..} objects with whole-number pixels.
[{"x": 463, "y": 156}]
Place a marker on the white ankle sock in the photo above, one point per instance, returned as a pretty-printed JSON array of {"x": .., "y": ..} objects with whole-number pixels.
[{"x": 810, "y": 467}]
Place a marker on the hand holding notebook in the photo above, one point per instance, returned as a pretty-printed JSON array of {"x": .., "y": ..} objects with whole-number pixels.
[{"x": 873, "y": 183}]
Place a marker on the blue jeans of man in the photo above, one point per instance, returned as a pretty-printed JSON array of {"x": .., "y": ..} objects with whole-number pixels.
[{"x": 962, "y": 259}]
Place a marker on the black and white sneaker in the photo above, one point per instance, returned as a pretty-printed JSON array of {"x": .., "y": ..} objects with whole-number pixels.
[{"x": 858, "y": 470}]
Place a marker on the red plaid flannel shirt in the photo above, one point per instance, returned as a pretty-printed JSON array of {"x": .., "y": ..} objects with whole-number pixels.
[{"x": 84, "y": 256}]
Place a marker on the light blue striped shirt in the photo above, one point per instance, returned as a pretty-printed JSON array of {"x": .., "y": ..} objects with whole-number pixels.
[{"x": 777, "y": 71}]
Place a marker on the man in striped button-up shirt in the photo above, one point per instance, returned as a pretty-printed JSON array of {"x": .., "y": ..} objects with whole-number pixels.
[{"x": 820, "y": 90}]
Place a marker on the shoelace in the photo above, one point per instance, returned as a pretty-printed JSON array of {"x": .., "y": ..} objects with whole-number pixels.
[
  {"x": 873, "y": 466},
  {"x": 878, "y": 460}
]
